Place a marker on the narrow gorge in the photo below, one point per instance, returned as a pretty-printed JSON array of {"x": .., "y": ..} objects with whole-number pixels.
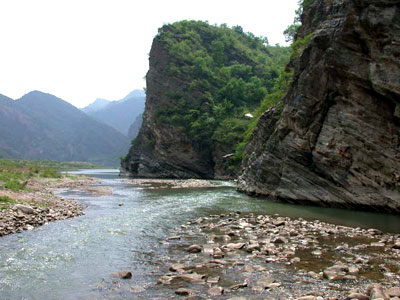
[{"x": 333, "y": 140}]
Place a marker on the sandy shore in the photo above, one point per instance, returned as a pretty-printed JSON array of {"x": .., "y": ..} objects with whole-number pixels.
[{"x": 38, "y": 204}]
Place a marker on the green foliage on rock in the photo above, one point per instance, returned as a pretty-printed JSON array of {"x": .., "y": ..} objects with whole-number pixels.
[
  {"x": 292, "y": 30},
  {"x": 226, "y": 73}
]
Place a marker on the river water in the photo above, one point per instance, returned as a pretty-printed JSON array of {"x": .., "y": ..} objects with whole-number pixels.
[{"x": 75, "y": 259}]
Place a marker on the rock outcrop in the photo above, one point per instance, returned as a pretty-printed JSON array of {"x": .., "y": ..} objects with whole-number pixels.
[
  {"x": 202, "y": 81},
  {"x": 336, "y": 142},
  {"x": 163, "y": 150}
]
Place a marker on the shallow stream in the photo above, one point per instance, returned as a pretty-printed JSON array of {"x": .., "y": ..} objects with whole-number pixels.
[{"x": 75, "y": 258}]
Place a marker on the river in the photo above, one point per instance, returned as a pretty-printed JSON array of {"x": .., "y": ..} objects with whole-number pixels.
[{"x": 74, "y": 259}]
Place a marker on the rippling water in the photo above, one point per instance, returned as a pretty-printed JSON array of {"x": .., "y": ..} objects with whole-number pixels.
[{"x": 74, "y": 259}]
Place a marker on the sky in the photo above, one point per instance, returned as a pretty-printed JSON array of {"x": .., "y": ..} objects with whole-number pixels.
[{"x": 80, "y": 50}]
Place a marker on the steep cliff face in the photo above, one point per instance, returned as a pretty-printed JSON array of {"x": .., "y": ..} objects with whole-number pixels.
[
  {"x": 163, "y": 150},
  {"x": 202, "y": 79},
  {"x": 336, "y": 142}
]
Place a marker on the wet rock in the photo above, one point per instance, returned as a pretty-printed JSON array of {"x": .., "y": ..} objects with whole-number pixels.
[
  {"x": 253, "y": 247},
  {"x": 209, "y": 248},
  {"x": 358, "y": 296},
  {"x": 123, "y": 275},
  {"x": 257, "y": 288},
  {"x": 165, "y": 279},
  {"x": 333, "y": 275},
  {"x": 177, "y": 268},
  {"x": 280, "y": 240},
  {"x": 194, "y": 249},
  {"x": 239, "y": 286},
  {"x": 183, "y": 292},
  {"x": 396, "y": 245},
  {"x": 213, "y": 280},
  {"x": 194, "y": 277},
  {"x": 218, "y": 253},
  {"x": 307, "y": 298},
  {"x": 226, "y": 237},
  {"x": 215, "y": 291},
  {"x": 265, "y": 282},
  {"x": 377, "y": 244},
  {"x": 235, "y": 245}
]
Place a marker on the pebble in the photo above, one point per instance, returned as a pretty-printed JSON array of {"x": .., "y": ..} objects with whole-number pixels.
[
  {"x": 123, "y": 275},
  {"x": 194, "y": 249},
  {"x": 215, "y": 291},
  {"x": 183, "y": 292}
]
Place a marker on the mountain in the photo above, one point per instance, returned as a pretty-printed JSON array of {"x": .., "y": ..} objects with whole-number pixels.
[
  {"x": 96, "y": 105},
  {"x": 202, "y": 81},
  {"x": 337, "y": 141},
  {"x": 5, "y": 99},
  {"x": 135, "y": 127},
  {"x": 134, "y": 94},
  {"x": 118, "y": 114},
  {"x": 42, "y": 126}
]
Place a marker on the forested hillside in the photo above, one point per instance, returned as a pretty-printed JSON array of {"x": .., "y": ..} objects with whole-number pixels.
[{"x": 203, "y": 80}]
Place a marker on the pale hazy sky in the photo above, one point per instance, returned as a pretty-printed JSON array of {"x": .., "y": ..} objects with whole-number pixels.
[{"x": 80, "y": 50}]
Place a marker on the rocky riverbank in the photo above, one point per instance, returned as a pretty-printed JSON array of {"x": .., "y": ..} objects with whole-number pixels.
[
  {"x": 176, "y": 183},
  {"x": 231, "y": 256},
  {"x": 37, "y": 204}
]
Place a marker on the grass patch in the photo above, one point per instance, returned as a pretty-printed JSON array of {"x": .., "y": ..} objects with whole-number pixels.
[
  {"x": 48, "y": 173},
  {"x": 14, "y": 185},
  {"x": 14, "y": 174},
  {"x": 6, "y": 201}
]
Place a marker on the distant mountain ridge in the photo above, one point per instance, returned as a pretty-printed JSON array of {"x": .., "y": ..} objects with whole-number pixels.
[
  {"x": 42, "y": 126},
  {"x": 119, "y": 114},
  {"x": 96, "y": 105}
]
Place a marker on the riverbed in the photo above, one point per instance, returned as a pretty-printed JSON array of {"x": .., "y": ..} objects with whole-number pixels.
[{"x": 75, "y": 258}]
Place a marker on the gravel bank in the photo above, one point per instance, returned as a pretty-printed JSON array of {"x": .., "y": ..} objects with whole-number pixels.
[
  {"x": 273, "y": 257},
  {"x": 38, "y": 205}
]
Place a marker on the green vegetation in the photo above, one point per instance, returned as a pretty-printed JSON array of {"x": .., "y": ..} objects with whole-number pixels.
[
  {"x": 6, "y": 201},
  {"x": 14, "y": 174},
  {"x": 227, "y": 73},
  {"x": 292, "y": 30},
  {"x": 14, "y": 185}
]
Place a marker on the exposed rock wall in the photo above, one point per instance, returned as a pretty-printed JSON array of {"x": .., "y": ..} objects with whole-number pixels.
[
  {"x": 162, "y": 150},
  {"x": 337, "y": 140}
]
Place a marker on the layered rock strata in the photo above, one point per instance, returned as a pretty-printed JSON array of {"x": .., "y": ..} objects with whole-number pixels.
[{"x": 336, "y": 142}]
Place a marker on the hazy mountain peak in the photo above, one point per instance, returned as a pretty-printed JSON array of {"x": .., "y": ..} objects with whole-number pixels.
[
  {"x": 4, "y": 98},
  {"x": 96, "y": 105},
  {"x": 118, "y": 114},
  {"x": 43, "y": 126},
  {"x": 134, "y": 94}
]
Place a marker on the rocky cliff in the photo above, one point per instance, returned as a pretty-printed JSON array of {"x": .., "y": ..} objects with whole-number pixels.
[
  {"x": 201, "y": 82},
  {"x": 336, "y": 142}
]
